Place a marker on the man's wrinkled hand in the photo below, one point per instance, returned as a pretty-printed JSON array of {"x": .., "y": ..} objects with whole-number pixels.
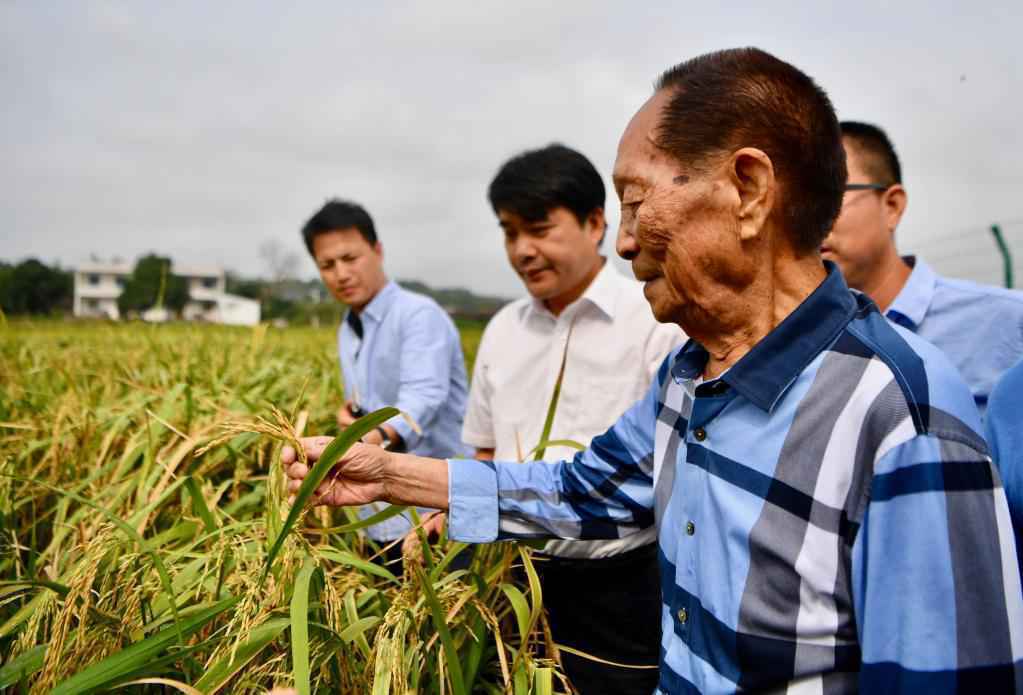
[{"x": 357, "y": 477}]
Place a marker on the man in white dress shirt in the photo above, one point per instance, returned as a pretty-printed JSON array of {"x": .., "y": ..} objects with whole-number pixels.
[{"x": 602, "y": 597}]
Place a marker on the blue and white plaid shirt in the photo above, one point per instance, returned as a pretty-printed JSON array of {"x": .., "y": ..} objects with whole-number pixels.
[{"x": 829, "y": 519}]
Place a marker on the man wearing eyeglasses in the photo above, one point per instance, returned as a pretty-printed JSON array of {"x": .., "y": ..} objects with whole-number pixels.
[{"x": 979, "y": 327}]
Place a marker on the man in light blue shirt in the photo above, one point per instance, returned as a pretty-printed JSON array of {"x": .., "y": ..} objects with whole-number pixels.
[
  {"x": 397, "y": 348},
  {"x": 1004, "y": 427},
  {"x": 828, "y": 518},
  {"x": 979, "y": 327}
]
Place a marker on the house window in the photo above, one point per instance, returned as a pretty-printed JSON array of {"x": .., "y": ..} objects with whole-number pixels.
[
  {"x": 120, "y": 282},
  {"x": 93, "y": 279},
  {"x": 209, "y": 283}
]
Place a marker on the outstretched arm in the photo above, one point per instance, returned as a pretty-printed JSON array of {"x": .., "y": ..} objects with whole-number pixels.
[{"x": 605, "y": 492}]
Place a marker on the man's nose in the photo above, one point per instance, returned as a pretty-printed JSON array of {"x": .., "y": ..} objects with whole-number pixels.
[
  {"x": 339, "y": 274},
  {"x": 523, "y": 248},
  {"x": 625, "y": 244}
]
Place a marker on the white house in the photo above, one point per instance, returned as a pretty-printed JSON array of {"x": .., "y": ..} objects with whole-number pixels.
[{"x": 98, "y": 285}]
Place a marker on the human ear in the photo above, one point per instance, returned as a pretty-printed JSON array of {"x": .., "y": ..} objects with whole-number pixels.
[
  {"x": 894, "y": 203},
  {"x": 752, "y": 173},
  {"x": 596, "y": 225}
]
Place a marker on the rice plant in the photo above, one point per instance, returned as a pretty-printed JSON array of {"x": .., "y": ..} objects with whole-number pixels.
[{"x": 147, "y": 545}]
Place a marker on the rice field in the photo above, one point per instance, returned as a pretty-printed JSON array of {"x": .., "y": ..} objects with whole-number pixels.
[{"x": 147, "y": 545}]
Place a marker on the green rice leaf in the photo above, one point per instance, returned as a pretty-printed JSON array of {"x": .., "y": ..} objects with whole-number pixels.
[
  {"x": 199, "y": 504},
  {"x": 359, "y": 627},
  {"x": 217, "y": 675},
  {"x": 343, "y": 557},
  {"x": 391, "y": 511},
  {"x": 119, "y": 665},
  {"x": 520, "y": 607},
  {"x": 452, "y": 661},
  {"x": 542, "y": 446},
  {"x": 543, "y": 681},
  {"x": 552, "y": 407},
  {"x": 22, "y": 665},
  {"x": 300, "y": 627}
]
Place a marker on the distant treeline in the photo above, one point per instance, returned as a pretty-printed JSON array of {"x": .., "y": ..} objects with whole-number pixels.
[{"x": 33, "y": 287}]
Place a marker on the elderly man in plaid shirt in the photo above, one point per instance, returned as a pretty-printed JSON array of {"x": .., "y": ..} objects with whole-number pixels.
[{"x": 829, "y": 520}]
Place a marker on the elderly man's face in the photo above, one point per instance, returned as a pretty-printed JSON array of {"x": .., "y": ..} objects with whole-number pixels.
[{"x": 678, "y": 226}]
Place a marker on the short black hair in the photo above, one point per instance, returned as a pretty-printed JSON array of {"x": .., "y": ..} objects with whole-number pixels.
[
  {"x": 879, "y": 158},
  {"x": 745, "y": 97},
  {"x": 339, "y": 214},
  {"x": 534, "y": 182}
]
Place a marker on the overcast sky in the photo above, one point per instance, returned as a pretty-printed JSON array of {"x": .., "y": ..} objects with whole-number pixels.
[{"x": 201, "y": 130}]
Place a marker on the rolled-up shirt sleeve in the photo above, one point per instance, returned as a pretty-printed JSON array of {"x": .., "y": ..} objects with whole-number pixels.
[{"x": 606, "y": 491}]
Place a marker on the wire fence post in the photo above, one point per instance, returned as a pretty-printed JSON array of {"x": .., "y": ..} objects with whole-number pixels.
[{"x": 1006, "y": 254}]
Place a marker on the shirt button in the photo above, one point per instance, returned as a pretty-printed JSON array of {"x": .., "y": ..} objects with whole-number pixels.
[
  {"x": 683, "y": 615},
  {"x": 690, "y": 528},
  {"x": 700, "y": 434}
]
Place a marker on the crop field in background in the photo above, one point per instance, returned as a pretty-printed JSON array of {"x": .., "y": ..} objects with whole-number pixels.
[{"x": 143, "y": 542}]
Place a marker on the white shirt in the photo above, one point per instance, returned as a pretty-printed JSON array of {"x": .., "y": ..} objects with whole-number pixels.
[{"x": 615, "y": 350}]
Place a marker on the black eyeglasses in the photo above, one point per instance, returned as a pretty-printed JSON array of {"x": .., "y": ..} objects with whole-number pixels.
[{"x": 866, "y": 187}]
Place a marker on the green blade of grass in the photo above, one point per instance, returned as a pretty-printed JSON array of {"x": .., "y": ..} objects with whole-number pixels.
[
  {"x": 543, "y": 681},
  {"x": 217, "y": 675},
  {"x": 300, "y": 627},
  {"x": 553, "y": 405},
  {"x": 453, "y": 663},
  {"x": 520, "y": 607},
  {"x": 383, "y": 515},
  {"x": 22, "y": 665},
  {"x": 199, "y": 504},
  {"x": 334, "y": 451},
  {"x": 359, "y": 627},
  {"x": 115, "y": 667},
  {"x": 540, "y": 448},
  {"x": 343, "y": 557}
]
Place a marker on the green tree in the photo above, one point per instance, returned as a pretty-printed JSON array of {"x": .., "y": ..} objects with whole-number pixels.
[
  {"x": 31, "y": 287},
  {"x": 143, "y": 289}
]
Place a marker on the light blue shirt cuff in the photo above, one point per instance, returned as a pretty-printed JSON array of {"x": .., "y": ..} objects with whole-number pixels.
[
  {"x": 405, "y": 431},
  {"x": 472, "y": 501}
]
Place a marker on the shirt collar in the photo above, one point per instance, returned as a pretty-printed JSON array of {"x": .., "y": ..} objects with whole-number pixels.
[
  {"x": 601, "y": 293},
  {"x": 916, "y": 295},
  {"x": 765, "y": 372},
  {"x": 378, "y": 307}
]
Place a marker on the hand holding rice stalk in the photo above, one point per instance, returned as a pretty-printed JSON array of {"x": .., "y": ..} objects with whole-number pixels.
[{"x": 360, "y": 484}]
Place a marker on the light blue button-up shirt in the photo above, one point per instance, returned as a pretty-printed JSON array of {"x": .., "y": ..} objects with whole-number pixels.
[
  {"x": 979, "y": 327},
  {"x": 828, "y": 517},
  {"x": 1004, "y": 429},
  {"x": 409, "y": 357}
]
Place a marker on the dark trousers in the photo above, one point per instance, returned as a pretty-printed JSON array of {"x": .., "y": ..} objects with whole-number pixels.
[{"x": 609, "y": 608}]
